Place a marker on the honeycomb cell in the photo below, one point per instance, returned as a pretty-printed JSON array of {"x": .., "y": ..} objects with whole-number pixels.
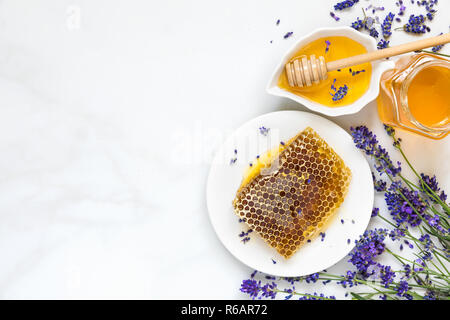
[{"x": 294, "y": 203}]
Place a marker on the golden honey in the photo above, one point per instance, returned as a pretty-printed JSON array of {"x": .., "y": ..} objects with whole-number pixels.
[
  {"x": 430, "y": 88},
  {"x": 355, "y": 78},
  {"x": 415, "y": 95},
  {"x": 296, "y": 201}
]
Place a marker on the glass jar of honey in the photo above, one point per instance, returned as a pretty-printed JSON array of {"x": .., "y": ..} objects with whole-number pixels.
[{"x": 415, "y": 95}]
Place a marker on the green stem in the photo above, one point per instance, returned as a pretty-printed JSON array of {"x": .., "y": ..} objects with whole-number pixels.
[
  {"x": 437, "y": 53},
  {"x": 435, "y": 196},
  {"x": 402, "y": 259},
  {"x": 301, "y": 294},
  {"x": 436, "y": 255}
]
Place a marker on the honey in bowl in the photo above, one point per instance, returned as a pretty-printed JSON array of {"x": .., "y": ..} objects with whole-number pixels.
[
  {"x": 357, "y": 78},
  {"x": 415, "y": 95}
]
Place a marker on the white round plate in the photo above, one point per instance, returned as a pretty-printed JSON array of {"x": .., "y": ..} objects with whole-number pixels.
[{"x": 225, "y": 177}]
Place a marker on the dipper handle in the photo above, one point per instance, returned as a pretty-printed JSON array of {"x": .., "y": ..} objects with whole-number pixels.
[
  {"x": 388, "y": 52},
  {"x": 304, "y": 71}
]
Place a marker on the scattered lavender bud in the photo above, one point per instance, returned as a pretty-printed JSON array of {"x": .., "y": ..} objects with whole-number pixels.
[
  {"x": 264, "y": 131},
  {"x": 287, "y": 35},
  {"x": 334, "y": 16},
  {"x": 340, "y": 93},
  {"x": 328, "y": 46}
]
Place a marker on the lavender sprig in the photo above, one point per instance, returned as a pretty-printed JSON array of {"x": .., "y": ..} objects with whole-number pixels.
[
  {"x": 387, "y": 25},
  {"x": 345, "y": 4}
]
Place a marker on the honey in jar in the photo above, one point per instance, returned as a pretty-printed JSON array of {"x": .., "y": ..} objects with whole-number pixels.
[{"x": 415, "y": 95}]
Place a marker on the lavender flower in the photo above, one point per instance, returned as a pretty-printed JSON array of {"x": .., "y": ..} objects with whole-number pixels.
[
  {"x": 410, "y": 245},
  {"x": 268, "y": 290},
  {"x": 264, "y": 131},
  {"x": 364, "y": 139},
  {"x": 426, "y": 256},
  {"x": 429, "y": 295},
  {"x": 290, "y": 293},
  {"x": 373, "y": 33},
  {"x": 245, "y": 240},
  {"x": 312, "y": 278},
  {"x": 292, "y": 280},
  {"x": 358, "y": 24},
  {"x": 375, "y": 9},
  {"x": 407, "y": 274},
  {"x": 348, "y": 280},
  {"x": 328, "y": 46},
  {"x": 387, "y": 25},
  {"x": 370, "y": 245},
  {"x": 334, "y": 16},
  {"x": 287, "y": 35},
  {"x": 437, "y": 48},
  {"x": 419, "y": 262},
  {"x": 402, "y": 289},
  {"x": 389, "y": 130},
  {"x": 386, "y": 275},
  {"x": 245, "y": 236},
  {"x": 400, "y": 209},
  {"x": 435, "y": 222},
  {"x": 415, "y": 28},
  {"x": 402, "y": 8},
  {"x": 433, "y": 185},
  {"x": 416, "y": 20},
  {"x": 251, "y": 287},
  {"x": 340, "y": 93},
  {"x": 368, "y": 23},
  {"x": 316, "y": 296},
  {"x": 356, "y": 72},
  {"x": 333, "y": 87},
  {"x": 367, "y": 141},
  {"x": 345, "y": 4},
  {"x": 379, "y": 185},
  {"x": 382, "y": 44},
  {"x": 397, "y": 234},
  {"x": 375, "y": 212}
]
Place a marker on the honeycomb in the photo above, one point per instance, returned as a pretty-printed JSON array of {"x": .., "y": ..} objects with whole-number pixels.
[{"x": 295, "y": 202}]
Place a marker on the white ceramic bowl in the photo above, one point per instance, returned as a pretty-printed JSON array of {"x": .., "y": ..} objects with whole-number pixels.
[{"x": 378, "y": 67}]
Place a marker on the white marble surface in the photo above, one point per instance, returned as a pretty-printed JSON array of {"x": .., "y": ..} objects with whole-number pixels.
[{"x": 110, "y": 112}]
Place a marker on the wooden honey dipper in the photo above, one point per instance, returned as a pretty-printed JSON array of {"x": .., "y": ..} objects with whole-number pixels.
[{"x": 302, "y": 71}]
